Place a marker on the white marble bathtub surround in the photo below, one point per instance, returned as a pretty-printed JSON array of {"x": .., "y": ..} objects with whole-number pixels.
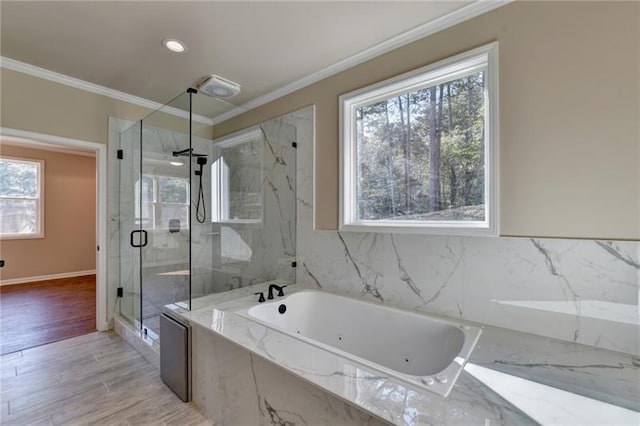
[
  {"x": 575, "y": 290},
  {"x": 594, "y": 373},
  {"x": 609, "y": 376},
  {"x": 239, "y": 386},
  {"x": 234, "y": 386}
]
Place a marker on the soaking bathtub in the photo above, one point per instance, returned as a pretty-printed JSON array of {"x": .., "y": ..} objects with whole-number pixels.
[{"x": 417, "y": 349}]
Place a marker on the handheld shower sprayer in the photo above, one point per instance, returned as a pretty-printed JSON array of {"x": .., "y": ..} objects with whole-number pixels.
[
  {"x": 201, "y": 216},
  {"x": 201, "y": 160}
]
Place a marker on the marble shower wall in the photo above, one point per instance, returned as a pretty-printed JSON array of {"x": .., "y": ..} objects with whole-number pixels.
[
  {"x": 575, "y": 290},
  {"x": 249, "y": 253},
  {"x": 271, "y": 244}
]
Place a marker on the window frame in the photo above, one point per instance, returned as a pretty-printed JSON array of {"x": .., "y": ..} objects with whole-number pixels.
[
  {"x": 220, "y": 179},
  {"x": 484, "y": 57},
  {"x": 39, "y": 200},
  {"x": 155, "y": 203}
]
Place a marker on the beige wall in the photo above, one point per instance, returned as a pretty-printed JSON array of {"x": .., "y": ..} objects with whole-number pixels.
[
  {"x": 569, "y": 108},
  {"x": 37, "y": 105},
  {"x": 69, "y": 244},
  {"x": 41, "y": 106}
]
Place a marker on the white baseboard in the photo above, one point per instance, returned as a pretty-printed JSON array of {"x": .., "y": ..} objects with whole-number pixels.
[{"x": 46, "y": 277}]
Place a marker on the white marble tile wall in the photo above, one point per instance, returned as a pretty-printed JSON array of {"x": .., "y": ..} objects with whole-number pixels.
[
  {"x": 270, "y": 245},
  {"x": 575, "y": 290},
  {"x": 202, "y": 238}
]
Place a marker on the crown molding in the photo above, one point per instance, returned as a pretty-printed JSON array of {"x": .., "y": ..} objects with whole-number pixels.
[
  {"x": 29, "y": 143},
  {"x": 14, "y": 65},
  {"x": 465, "y": 13}
]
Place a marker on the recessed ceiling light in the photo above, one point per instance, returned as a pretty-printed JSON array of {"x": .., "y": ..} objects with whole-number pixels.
[{"x": 174, "y": 45}]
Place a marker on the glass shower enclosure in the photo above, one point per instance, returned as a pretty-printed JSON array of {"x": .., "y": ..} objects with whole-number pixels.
[{"x": 198, "y": 215}]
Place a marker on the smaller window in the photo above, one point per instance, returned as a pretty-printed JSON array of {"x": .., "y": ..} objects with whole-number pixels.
[
  {"x": 236, "y": 179},
  {"x": 419, "y": 151},
  {"x": 161, "y": 199},
  {"x": 21, "y": 198}
]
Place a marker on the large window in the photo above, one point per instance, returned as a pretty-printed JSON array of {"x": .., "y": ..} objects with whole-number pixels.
[
  {"x": 160, "y": 199},
  {"x": 419, "y": 151},
  {"x": 21, "y": 210}
]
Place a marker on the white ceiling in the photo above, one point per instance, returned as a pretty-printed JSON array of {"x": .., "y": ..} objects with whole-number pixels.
[{"x": 261, "y": 45}]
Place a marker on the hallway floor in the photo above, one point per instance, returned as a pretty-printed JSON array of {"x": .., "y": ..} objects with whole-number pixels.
[
  {"x": 92, "y": 379},
  {"x": 33, "y": 314}
]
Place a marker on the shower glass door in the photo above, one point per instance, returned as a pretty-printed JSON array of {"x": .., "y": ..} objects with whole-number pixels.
[
  {"x": 129, "y": 227},
  {"x": 163, "y": 212}
]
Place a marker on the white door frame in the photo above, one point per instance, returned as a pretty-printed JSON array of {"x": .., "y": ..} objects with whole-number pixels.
[{"x": 101, "y": 208}]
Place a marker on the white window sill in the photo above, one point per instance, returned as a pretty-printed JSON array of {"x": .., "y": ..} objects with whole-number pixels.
[
  {"x": 408, "y": 227},
  {"x": 21, "y": 236}
]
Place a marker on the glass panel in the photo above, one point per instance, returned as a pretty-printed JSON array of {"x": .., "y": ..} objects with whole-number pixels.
[
  {"x": 145, "y": 215},
  {"x": 148, "y": 193},
  {"x": 130, "y": 303},
  {"x": 242, "y": 179},
  {"x": 18, "y": 216},
  {"x": 254, "y": 241},
  {"x": 164, "y": 206},
  {"x": 166, "y": 191},
  {"x": 237, "y": 178},
  {"x": 173, "y": 190},
  {"x": 420, "y": 154},
  {"x": 166, "y": 213}
]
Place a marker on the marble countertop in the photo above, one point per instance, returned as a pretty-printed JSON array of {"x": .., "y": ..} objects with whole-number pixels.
[{"x": 518, "y": 377}]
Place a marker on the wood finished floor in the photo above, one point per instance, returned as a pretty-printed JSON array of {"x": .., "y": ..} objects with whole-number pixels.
[
  {"x": 34, "y": 314},
  {"x": 95, "y": 379}
]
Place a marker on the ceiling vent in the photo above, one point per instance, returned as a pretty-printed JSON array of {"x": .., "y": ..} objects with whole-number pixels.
[{"x": 219, "y": 87}]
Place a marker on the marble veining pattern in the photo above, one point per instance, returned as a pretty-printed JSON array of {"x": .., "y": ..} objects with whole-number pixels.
[
  {"x": 269, "y": 245},
  {"x": 506, "y": 282},
  {"x": 595, "y": 373},
  {"x": 165, "y": 260},
  {"x": 223, "y": 378},
  {"x": 575, "y": 291}
]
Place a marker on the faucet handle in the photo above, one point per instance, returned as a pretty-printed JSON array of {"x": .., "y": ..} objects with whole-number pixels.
[
  {"x": 280, "y": 291},
  {"x": 261, "y": 298}
]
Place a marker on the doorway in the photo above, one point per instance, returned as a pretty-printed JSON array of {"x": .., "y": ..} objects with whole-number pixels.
[{"x": 40, "y": 303}]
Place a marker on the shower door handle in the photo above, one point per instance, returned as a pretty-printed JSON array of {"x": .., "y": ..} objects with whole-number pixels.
[{"x": 143, "y": 239}]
